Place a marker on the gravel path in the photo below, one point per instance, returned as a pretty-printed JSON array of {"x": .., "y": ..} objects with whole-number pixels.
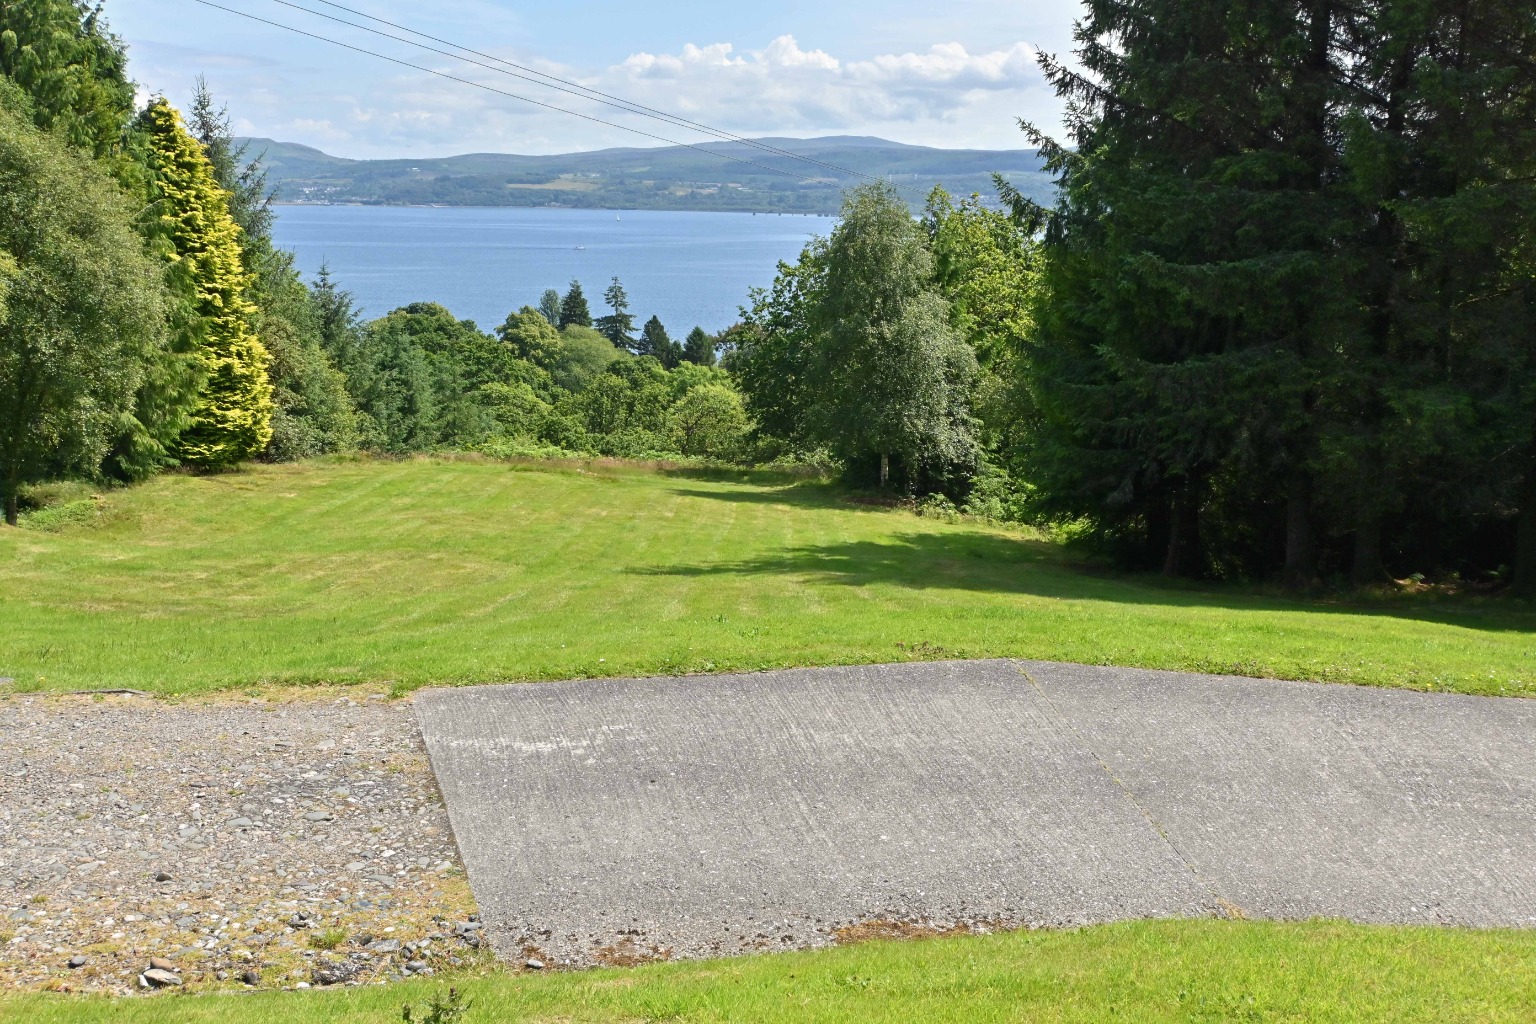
[{"x": 302, "y": 839}]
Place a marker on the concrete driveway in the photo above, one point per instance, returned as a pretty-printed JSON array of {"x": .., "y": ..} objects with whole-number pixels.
[{"x": 610, "y": 820}]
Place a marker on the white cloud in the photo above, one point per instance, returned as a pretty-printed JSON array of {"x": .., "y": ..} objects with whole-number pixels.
[
  {"x": 947, "y": 96},
  {"x": 784, "y": 87}
]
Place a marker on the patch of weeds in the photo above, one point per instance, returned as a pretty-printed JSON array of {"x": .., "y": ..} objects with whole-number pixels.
[
  {"x": 328, "y": 939},
  {"x": 921, "y": 649},
  {"x": 886, "y": 929},
  {"x": 629, "y": 953},
  {"x": 440, "y": 1009},
  {"x": 936, "y": 506},
  {"x": 56, "y": 518},
  {"x": 1226, "y": 1008}
]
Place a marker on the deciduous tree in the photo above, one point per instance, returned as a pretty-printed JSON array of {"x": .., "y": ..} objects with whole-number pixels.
[{"x": 82, "y": 309}]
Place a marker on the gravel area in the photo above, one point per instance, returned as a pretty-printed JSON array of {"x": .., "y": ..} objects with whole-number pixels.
[{"x": 275, "y": 843}]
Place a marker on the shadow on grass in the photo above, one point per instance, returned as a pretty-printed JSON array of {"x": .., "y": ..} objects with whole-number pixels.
[
  {"x": 999, "y": 564},
  {"x": 806, "y": 494}
]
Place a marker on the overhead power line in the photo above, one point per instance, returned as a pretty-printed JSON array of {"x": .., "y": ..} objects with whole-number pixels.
[
  {"x": 526, "y": 99},
  {"x": 564, "y": 85}
]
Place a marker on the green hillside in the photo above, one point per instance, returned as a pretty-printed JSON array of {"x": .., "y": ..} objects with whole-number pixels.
[{"x": 674, "y": 178}]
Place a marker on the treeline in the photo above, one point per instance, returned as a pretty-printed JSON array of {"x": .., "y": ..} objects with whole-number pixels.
[
  {"x": 1287, "y": 313},
  {"x": 546, "y": 382},
  {"x": 1280, "y": 323},
  {"x": 148, "y": 321}
]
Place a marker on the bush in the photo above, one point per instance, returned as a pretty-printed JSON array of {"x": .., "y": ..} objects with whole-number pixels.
[
  {"x": 635, "y": 443},
  {"x": 996, "y": 497},
  {"x": 936, "y": 506},
  {"x": 708, "y": 421}
]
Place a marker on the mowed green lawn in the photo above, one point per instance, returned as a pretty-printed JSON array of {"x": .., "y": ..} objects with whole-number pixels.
[
  {"x": 441, "y": 571},
  {"x": 1192, "y": 971}
]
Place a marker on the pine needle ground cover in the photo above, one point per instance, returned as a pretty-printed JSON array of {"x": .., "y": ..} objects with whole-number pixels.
[
  {"x": 451, "y": 571},
  {"x": 1186, "y": 971}
]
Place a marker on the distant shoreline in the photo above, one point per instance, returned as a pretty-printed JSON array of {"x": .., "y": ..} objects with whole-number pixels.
[{"x": 594, "y": 209}]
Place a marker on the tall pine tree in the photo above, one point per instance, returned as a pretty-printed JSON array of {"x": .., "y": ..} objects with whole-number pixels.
[
  {"x": 618, "y": 326},
  {"x": 573, "y": 308}
]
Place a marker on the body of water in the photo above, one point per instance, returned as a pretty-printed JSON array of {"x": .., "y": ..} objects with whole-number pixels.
[{"x": 687, "y": 268}]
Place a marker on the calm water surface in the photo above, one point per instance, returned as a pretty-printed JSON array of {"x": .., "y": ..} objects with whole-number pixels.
[{"x": 688, "y": 268}]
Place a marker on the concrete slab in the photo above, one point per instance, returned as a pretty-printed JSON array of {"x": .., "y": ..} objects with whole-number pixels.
[
  {"x": 1305, "y": 799},
  {"x": 711, "y": 815}
]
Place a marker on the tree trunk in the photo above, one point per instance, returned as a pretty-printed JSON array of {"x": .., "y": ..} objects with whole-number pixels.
[
  {"x": 1525, "y": 535},
  {"x": 1367, "y": 566},
  {"x": 1181, "y": 523},
  {"x": 1300, "y": 551},
  {"x": 885, "y": 469},
  {"x": 10, "y": 486}
]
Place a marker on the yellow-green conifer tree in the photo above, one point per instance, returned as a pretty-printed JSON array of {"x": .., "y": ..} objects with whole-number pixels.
[{"x": 190, "y": 213}]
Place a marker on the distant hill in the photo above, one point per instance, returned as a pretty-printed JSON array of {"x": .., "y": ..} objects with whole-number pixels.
[{"x": 665, "y": 178}]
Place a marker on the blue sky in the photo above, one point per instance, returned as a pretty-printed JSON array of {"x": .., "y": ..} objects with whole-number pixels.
[{"x": 946, "y": 74}]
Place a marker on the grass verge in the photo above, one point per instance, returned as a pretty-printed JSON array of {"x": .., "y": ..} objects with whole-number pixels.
[
  {"x": 1145, "y": 971},
  {"x": 449, "y": 571}
]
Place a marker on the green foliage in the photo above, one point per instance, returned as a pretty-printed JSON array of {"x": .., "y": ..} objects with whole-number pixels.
[
  {"x": 313, "y": 412},
  {"x": 330, "y": 938},
  {"x": 392, "y": 382},
  {"x": 709, "y": 420},
  {"x": 72, "y": 68},
  {"x": 82, "y": 310},
  {"x": 985, "y": 264},
  {"x": 549, "y": 306},
  {"x": 439, "y": 1009},
  {"x": 573, "y": 308},
  {"x": 655, "y": 342},
  {"x": 245, "y": 181},
  {"x": 1276, "y": 319},
  {"x": 190, "y": 213},
  {"x": 854, "y": 350},
  {"x": 619, "y": 326},
  {"x": 584, "y": 354},
  {"x": 772, "y": 349},
  {"x": 531, "y": 337},
  {"x": 632, "y": 394},
  {"x": 699, "y": 348}
]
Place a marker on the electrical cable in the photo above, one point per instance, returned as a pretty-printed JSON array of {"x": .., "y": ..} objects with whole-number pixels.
[
  {"x": 565, "y": 85},
  {"x": 500, "y": 92}
]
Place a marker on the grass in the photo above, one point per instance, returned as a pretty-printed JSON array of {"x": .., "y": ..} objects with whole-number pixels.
[
  {"x": 450, "y": 571},
  {"x": 1187, "y": 971}
]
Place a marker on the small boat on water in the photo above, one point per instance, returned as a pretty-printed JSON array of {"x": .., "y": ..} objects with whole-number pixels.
[{"x": 581, "y": 248}]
